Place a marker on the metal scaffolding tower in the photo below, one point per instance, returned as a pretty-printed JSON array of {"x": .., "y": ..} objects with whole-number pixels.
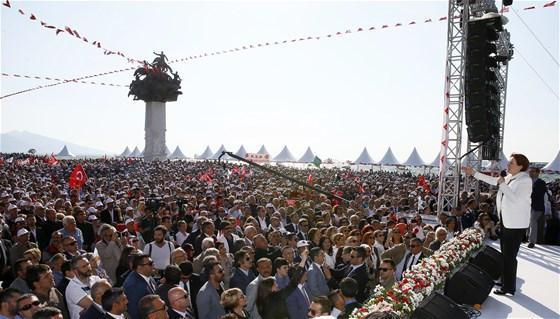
[{"x": 450, "y": 164}]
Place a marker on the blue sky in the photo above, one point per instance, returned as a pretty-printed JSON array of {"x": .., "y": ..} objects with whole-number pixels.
[{"x": 377, "y": 89}]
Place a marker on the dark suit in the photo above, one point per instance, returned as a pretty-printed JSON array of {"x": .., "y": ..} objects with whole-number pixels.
[
  {"x": 125, "y": 315},
  {"x": 48, "y": 228},
  {"x": 302, "y": 236},
  {"x": 361, "y": 276},
  {"x": 173, "y": 315},
  {"x": 88, "y": 233},
  {"x": 291, "y": 228},
  {"x": 162, "y": 292},
  {"x": 297, "y": 304},
  {"x": 348, "y": 308},
  {"x": 198, "y": 243},
  {"x": 194, "y": 286},
  {"x": 271, "y": 253},
  {"x": 135, "y": 287},
  {"x": 93, "y": 313},
  {"x": 106, "y": 217},
  {"x": 240, "y": 280},
  {"x": 407, "y": 260}
]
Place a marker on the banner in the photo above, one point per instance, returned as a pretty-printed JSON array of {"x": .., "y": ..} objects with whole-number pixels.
[{"x": 257, "y": 158}]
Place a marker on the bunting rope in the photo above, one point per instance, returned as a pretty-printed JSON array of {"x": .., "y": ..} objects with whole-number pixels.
[
  {"x": 338, "y": 34},
  {"x": 60, "y": 80},
  {"x": 76, "y": 80},
  {"x": 268, "y": 44},
  {"x": 72, "y": 32}
]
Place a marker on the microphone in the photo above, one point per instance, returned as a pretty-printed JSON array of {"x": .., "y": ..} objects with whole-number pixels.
[{"x": 503, "y": 173}]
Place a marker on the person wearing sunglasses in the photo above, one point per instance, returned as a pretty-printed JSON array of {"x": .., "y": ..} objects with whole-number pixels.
[
  {"x": 387, "y": 273},
  {"x": 27, "y": 305},
  {"x": 242, "y": 274},
  {"x": 208, "y": 298},
  {"x": 139, "y": 283},
  {"x": 180, "y": 305},
  {"x": 151, "y": 307}
]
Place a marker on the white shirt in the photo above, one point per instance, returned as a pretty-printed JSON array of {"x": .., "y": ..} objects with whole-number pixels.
[
  {"x": 262, "y": 222},
  {"x": 115, "y": 316},
  {"x": 335, "y": 312},
  {"x": 75, "y": 292},
  {"x": 304, "y": 293},
  {"x": 180, "y": 238},
  {"x": 399, "y": 269},
  {"x": 160, "y": 255}
]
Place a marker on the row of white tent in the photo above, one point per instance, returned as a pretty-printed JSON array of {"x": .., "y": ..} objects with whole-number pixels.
[{"x": 285, "y": 156}]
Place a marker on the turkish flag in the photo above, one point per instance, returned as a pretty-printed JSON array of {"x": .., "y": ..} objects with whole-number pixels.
[
  {"x": 78, "y": 178},
  {"x": 52, "y": 161},
  {"x": 550, "y": 4}
]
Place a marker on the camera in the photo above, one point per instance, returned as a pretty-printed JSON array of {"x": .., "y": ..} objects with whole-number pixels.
[{"x": 153, "y": 203}]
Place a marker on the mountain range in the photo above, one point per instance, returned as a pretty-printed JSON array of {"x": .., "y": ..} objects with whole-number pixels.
[{"x": 23, "y": 141}]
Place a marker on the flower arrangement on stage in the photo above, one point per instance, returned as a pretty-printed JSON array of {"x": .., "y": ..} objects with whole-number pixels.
[{"x": 423, "y": 278}]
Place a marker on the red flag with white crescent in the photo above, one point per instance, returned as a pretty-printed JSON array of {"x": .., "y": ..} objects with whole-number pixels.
[
  {"x": 550, "y": 4},
  {"x": 78, "y": 178}
]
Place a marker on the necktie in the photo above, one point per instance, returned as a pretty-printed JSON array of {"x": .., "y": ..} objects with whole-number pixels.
[
  {"x": 152, "y": 286},
  {"x": 411, "y": 263}
]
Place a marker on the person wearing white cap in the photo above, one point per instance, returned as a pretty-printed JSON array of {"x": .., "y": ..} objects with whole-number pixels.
[
  {"x": 131, "y": 230},
  {"x": 22, "y": 244}
]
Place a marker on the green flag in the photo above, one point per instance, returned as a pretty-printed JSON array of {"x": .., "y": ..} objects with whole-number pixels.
[{"x": 317, "y": 161}]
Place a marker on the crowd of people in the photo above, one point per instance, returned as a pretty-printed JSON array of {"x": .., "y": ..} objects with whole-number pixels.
[{"x": 208, "y": 240}]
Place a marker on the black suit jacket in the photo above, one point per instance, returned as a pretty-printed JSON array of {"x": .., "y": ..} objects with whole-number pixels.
[
  {"x": 195, "y": 284},
  {"x": 291, "y": 228},
  {"x": 89, "y": 234},
  {"x": 92, "y": 313},
  {"x": 348, "y": 310},
  {"x": 361, "y": 276},
  {"x": 271, "y": 253},
  {"x": 48, "y": 228},
  {"x": 173, "y": 315},
  {"x": 106, "y": 216}
]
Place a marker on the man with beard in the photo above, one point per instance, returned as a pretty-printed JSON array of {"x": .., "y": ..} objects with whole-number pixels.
[
  {"x": 159, "y": 249},
  {"x": 78, "y": 291},
  {"x": 139, "y": 283}
]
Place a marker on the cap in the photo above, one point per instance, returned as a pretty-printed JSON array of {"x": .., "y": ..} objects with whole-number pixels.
[
  {"x": 129, "y": 208},
  {"x": 22, "y": 232},
  {"x": 109, "y": 200},
  {"x": 92, "y": 210},
  {"x": 12, "y": 206},
  {"x": 20, "y": 220},
  {"x": 302, "y": 243},
  {"x": 98, "y": 204},
  {"x": 269, "y": 205},
  {"x": 128, "y": 220},
  {"x": 92, "y": 218}
]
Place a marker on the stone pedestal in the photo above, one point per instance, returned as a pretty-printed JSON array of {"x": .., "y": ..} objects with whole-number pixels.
[{"x": 155, "y": 128}]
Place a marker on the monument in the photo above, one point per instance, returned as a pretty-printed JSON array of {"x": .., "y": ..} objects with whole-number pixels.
[{"x": 155, "y": 84}]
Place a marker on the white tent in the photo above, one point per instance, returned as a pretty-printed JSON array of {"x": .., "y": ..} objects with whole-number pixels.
[
  {"x": 263, "y": 151},
  {"x": 364, "y": 158},
  {"x": 219, "y": 152},
  {"x": 135, "y": 153},
  {"x": 125, "y": 153},
  {"x": 389, "y": 158},
  {"x": 65, "y": 153},
  {"x": 467, "y": 159},
  {"x": 436, "y": 161},
  {"x": 241, "y": 152},
  {"x": 503, "y": 163},
  {"x": 177, "y": 154},
  {"x": 142, "y": 154},
  {"x": 414, "y": 159},
  {"x": 554, "y": 165},
  {"x": 206, "y": 154},
  {"x": 284, "y": 156},
  {"x": 307, "y": 157},
  {"x": 167, "y": 151}
]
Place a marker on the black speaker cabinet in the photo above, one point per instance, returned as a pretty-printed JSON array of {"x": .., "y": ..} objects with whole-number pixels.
[
  {"x": 470, "y": 285},
  {"x": 438, "y": 306},
  {"x": 491, "y": 261}
]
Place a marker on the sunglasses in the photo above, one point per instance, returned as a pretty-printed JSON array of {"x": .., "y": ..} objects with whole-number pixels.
[
  {"x": 35, "y": 303},
  {"x": 185, "y": 296},
  {"x": 158, "y": 310},
  {"x": 385, "y": 269}
]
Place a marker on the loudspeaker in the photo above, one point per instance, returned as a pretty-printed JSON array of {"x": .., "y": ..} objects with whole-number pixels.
[
  {"x": 470, "y": 285},
  {"x": 438, "y": 306},
  {"x": 491, "y": 261}
]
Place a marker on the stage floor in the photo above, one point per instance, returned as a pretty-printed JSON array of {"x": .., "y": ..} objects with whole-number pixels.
[{"x": 538, "y": 286}]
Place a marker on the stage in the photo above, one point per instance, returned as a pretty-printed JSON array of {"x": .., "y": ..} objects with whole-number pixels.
[{"x": 538, "y": 286}]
